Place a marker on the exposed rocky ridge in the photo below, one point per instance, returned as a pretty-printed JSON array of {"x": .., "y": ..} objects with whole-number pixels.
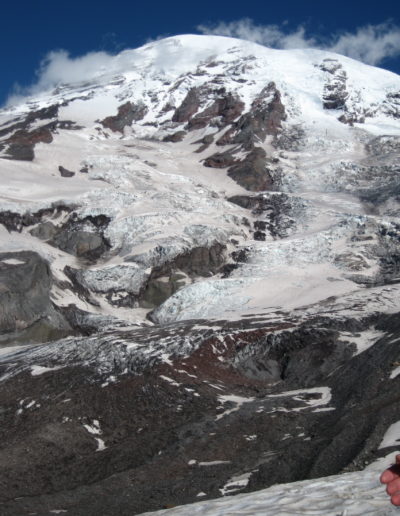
[
  {"x": 189, "y": 106},
  {"x": 252, "y": 172},
  {"x": 264, "y": 118}
]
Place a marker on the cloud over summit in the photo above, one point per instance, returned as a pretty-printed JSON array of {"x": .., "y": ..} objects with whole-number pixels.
[{"x": 371, "y": 44}]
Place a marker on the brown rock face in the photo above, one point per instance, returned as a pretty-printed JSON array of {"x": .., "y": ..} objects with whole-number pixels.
[
  {"x": 219, "y": 160},
  {"x": 200, "y": 261},
  {"x": 52, "y": 458},
  {"x": 41, "y": 114},
  {"x": 252, "y": 173},
  {"x": 22, "y": 142},
  {"x": 19, "y": 140},
  {"x": 264, "y": 118},
  {"x": 228, "y": 107},
  {"x": 175, "y": 137},
  {"x": 127, "y": 113},
  {"x": 189, "y": 106},
  {"x": 206, "y": 141}
]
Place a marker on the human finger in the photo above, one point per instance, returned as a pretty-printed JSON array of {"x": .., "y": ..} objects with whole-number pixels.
[
  {"x": 395, "y": 499},
  {"x": 393, "y": 487},
  {"x": 387, "y": 476}
]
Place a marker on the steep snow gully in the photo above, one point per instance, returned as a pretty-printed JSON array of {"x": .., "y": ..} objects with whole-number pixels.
[{"x": 200, "y": 285}]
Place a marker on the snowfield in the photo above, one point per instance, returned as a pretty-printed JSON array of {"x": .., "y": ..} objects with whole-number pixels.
[{"x": 349, "y": 494}]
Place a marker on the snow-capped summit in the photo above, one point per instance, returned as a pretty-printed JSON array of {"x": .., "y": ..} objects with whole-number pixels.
[{"x": 199, "y": 265}]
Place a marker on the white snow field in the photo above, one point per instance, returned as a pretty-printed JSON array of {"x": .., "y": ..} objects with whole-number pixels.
[{"x": 349, "y": 494}]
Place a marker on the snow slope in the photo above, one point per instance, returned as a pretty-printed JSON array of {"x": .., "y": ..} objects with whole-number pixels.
[{"x": 349, "y": 494}]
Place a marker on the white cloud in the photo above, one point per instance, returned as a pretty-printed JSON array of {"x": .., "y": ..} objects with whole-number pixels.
[
  {"x": 58, "y": 68},
  {"x": 371, "y": 44},
  {"x": 268, "y": 35}
]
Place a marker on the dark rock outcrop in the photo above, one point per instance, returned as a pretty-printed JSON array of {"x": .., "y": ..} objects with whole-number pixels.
[
  {"x": 264, "y": 118},
  {"x": 259, "y": 235},
  {"x": 391, "y": 106},
  {"x": 252, "y": 173},
  {"x": 44, "y": 230},
  {"x": 335, "y": 93},
  {"x": 127, "y": 113},
  {"x": 190, "y": 105},
  {"x": 21, "y": 144},
  {"x": 205, "y": 142},
  {"x": 65, "y": 172},
  {"x": 24, "y": 123},
  {"x": 228, "y": 107},
  {"x": 25, "y": 304},
  {"x": 84, "y": 238},
  {"x": 220, "y": 160},
  {"x": 199, "y": 261},
  {"x": 19, "y": 139},
  {"x": 16, "y": 221},
  {"x": 178, "y": 136},
  {"x": 159, "y": 288},
  {"x": 165, "y": 280},
  {"x": 277, "y": 210}
]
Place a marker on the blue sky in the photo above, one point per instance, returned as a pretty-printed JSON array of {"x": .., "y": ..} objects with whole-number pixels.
[{"x": 30, "y": 30}]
